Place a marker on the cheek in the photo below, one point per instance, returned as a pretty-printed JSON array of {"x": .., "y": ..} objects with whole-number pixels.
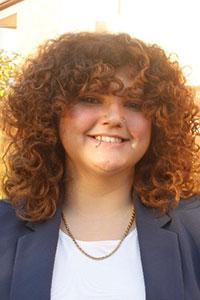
[
  {"x": 140, "y": 127},
  {"x": 75, "y": 121},
  {"x": 83, "y": 119}
]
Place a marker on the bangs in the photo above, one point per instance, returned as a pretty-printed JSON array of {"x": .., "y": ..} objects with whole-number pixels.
[{"x": 93, "y": 63}]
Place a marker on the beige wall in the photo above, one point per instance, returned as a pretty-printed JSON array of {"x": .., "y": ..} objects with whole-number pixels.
[{"x": 38, "y": 20}]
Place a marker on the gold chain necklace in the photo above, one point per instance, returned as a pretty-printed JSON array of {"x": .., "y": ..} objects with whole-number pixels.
[{"x": 113, "y": 251}]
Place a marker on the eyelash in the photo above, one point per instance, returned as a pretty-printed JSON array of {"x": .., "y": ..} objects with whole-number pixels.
[
  {"x": 91, "y": 100},
  {"x": 134, "y": 105}
]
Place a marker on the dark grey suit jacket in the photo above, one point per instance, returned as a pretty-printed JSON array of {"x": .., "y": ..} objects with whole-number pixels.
[{"x": 169, "y": 245}]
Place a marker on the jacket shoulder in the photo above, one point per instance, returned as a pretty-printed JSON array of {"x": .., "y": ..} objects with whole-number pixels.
[
  {"x": 6, "y": 208},
  {"x": 189, "y": 206},
  {"x": 186, "y": 217},
  {"x": 9, "y": 222}
]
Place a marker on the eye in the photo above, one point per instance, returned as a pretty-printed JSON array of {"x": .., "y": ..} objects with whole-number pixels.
[
  {"x": 133, "y": 105},
  {"x": 89, "y": 100}
]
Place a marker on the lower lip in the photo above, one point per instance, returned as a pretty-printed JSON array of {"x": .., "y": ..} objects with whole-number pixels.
[{"x": 108, "y": 144}]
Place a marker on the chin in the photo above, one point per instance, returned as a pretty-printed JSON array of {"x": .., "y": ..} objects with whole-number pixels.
[{"x": 108, "y": 167}]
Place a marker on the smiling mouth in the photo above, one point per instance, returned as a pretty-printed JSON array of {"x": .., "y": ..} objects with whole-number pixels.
[{"x": 110, "y": 140}]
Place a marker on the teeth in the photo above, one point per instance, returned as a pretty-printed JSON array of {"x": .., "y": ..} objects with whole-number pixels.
[{"x": 108, "y": 139}]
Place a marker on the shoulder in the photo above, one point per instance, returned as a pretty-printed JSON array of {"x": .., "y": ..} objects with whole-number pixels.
[
  {"x": 6, "y": 209},
  {"x": 9, "y": 222},
  {"x": 186, "y": 217},
  {"x": 189, "y": 206},
  {"x": 190, "y": 203}
]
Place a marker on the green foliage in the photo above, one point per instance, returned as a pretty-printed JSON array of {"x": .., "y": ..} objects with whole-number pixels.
[
  {"x": 8, "y": 67},
  {"x": 8, "y": 64}
]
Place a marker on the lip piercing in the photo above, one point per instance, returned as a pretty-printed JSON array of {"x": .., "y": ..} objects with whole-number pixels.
[
  {"x": 98, "y": 144},
  {"x": 133, "y": 145}
]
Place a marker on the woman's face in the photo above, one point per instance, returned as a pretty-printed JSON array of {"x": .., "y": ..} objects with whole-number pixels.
[{"x": 105, "y": 134}]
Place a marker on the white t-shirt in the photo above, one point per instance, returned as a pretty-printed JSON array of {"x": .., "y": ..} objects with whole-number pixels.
[{"x": 118, "y": 277}]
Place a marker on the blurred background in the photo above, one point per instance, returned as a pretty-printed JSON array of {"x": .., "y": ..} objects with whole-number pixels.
[{"x": 173, "y": 24}]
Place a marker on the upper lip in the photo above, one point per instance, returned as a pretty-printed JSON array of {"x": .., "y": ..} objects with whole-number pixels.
[{"x": 109, "y": 135}]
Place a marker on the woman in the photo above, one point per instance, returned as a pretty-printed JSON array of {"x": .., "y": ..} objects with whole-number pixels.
[{"x": 102, "y": 179}]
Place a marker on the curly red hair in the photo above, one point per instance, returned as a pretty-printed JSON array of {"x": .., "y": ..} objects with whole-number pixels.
[{"x": 53, "y": 79}]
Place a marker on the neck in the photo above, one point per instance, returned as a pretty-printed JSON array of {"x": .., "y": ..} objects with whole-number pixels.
[
  {"x": 98, "y": 207},
  {"x": 91, "y": 197}
]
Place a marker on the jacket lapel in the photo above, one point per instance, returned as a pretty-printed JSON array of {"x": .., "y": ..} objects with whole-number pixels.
[
  {"x": 160, "y": 255},
  {"x": 34, "y": 260}
]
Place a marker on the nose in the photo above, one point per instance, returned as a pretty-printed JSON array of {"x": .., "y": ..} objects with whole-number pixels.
[{"x": 113, "y": 115}]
